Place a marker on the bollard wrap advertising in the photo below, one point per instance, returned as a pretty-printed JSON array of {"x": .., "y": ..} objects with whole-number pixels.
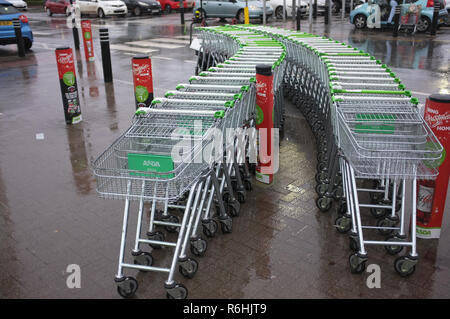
[
  {"x": 68, "y": 83},
  {"x": 87, "y": 40},
  {"x": 143, "y": 81},
  {"x": 264, "y": 123},
  {"x": 431, "y": 195}
]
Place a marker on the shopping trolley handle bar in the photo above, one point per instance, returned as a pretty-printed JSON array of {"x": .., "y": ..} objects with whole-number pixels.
[{"x": 147, "y": 110}]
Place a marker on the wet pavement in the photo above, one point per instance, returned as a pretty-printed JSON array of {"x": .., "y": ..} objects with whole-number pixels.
[{"x": 281, "y": 245}]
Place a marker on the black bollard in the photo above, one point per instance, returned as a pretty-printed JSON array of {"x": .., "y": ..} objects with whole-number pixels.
[
  {"x": 298, "y": 18},
  {"x": 76, "y": 38},
  {"x": 106, "y": 55},
  {"x": 435, "y": 17},
  {"x": 396, "y": 21},
  {"x": 19, "y": 38},
  {"x": 326, "y": 12},
  {"x": 182, "y": 12},
  {"x": 315, "y": 9}
]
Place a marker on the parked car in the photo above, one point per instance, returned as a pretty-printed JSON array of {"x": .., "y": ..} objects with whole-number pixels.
[
  {"x": 337, "y": 5},
  {"x": 277, "y": 6},
  {"x": 359, "y": 15},
  {"x": 7, "y": 35},
  {"x": 173, "y": 5},
  {"x": 233, "y": 9},
  {"x": 447, "y": 7},
  {"x": 138, "y": 7},
  {"x": 57, "y": 6},
  {"x": 19, "y": 4},
  {"x": 101, "y": 8}
]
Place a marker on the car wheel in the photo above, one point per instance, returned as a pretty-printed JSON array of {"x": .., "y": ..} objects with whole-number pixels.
[
  {"x": 28, "y": 44},
  {"x": 167, "y": 9},
  {"x": 49, "y": 12},
  {"x": 241, "y": 16},
  {"x": 360, "y": 21},
  {"x": 101, "y": 13},
  {"x": 423, "y": 24},
  {"x": 279, "y": 12},
  {"x": 137, "y": 11}
]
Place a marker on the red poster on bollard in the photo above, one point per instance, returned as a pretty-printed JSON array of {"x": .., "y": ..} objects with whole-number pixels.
[
  {"x": 143, "y": 81},
  {"x": 264, "y": 122},
  {"x": 87, "y": 40},
  {"x": 432, "y": 194}
]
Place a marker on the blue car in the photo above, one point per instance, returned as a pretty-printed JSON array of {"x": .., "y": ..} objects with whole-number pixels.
[
  {"x": 7, "y": 35},
  {"x": 361, "y": 13}
]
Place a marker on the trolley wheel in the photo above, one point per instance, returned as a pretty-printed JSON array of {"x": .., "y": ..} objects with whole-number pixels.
[
  {"x": 321, "y": 166},
  {"x": 188, "y": 268},
  {"x": 241, "y": 197},
  {"x": 127, "y": 287},
  {"x": 178, "y": 291},
  {"x": 357, "y": 264},
  {"x": 248, "y": 185},
  {"x": 324, "y": 204},
  {"x": 353, "y": 244},
  {"x": 157, "y": 235},
  {"x": 233, "y": 208},
  {"x": 171, "y": 219},
  {"x": 210, "y": 228},
  {"x": 143, "y": 259},
  {"x": 342, "y": 209},
  {"x": 405, "y": 266},
  {"x": 199, "y": 246},
  {"x": 378, "y": 212},
  {"x": 385, "y": 222},
  {"x": 321, "y": 189},
  {"x": 343, "y": 224},
  {"x": 393, "y": 249},
  {"x": 338, "y": 193},
  {"x": 226, "y": 225}
]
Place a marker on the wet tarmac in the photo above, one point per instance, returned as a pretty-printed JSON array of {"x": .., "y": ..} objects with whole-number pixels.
[{"x": 281, "y": 245}]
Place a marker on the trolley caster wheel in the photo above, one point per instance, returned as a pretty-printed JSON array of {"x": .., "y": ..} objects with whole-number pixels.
[
  {"x": 378, "y": 212},
  {"x": 343, "y": 224},
  {"x": 394, "y": 249},
  {"x": 248, "y": 185},
  {"x": 210, "y": 228},
  {"x": 321, "y": 166},
  {"x": 127, "y": 287},
  {"x": 143, "y": 259},
  {"x": 241, "y": 196},
  {"x": 188, "y": 267},
  {"x": 405, "y": 266},
  {"x": 233, "y": 208},
  {"x": 177, "y": 291},
  {"x": 323, "y": 204},
  {"x": 357, "y": 263},
  {"x": 199, "y": 247},
  {"x": 353, "y": 244},
  {"x": 157, "y": 235},
  {"x": 338, "y": 193},
  {"x": 226, "y": 225},
  {"x": 171, "y": 219},
  {"x": 342, "y": 209},
  {"x": 385, "y": 222},
  {"x": 321, "y": 189}
]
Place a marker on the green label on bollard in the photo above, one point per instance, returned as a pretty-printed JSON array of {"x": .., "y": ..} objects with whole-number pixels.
[
  {"x": 259, "y": 115},
  {"x": 141, "y": 93},
  {"x": 69, "y": 78}
]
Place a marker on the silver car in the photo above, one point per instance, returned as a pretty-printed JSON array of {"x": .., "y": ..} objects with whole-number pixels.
[{"x": 232, "y": 9}]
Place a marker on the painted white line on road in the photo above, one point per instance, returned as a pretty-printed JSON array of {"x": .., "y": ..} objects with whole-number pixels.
[
  {"x": 170, "y": 40},
  {"x": 154, "y": 44},
  {"x": 125, "y": 82},
  {"x": 43, "y": 33},
  {"x": 190, "y": 61},
  {"x": 161, "y": 57},
  {"x": 183, "y": 36},
  {"x": 132, "y": 49},
  {"x": 420, "y": 93}
]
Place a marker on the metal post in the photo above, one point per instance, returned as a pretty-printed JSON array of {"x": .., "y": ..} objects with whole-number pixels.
[
  {"x": 106, "y": 55},
  {"x": 396, "y": 21},
  {"x": 284, "y": 10},
  {"x": 310, "y": 12},
  {"x": 329, "y": 11},
  {"x": 351, "y": 5},
  {"x": 315, "y": 9},
  {"x": 343, "y": 9},
  {"x": 182, "y": 12},
  {"x": 293, "y": 10},
  {"x": 325, "y": 15},
  {"x": 435, "y": 17},
  {"x": 299, "y": 16},
  {"x": 19, "y": 38},
  {"x": 76, "y": 38},
  {"x": 264, "y": 12}
]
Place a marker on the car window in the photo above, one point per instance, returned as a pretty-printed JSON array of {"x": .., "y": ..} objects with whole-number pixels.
[{"x": 7, "y": 9}]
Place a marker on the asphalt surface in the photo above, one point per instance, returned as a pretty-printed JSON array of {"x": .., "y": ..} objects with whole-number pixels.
[{"x": 281, "y": 246}]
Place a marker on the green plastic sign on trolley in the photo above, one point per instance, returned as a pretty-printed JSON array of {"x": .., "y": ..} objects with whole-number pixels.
[{"x": 150, "y": 163}]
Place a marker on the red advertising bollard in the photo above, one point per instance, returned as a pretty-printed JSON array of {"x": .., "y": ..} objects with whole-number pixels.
[
  {"x": 432, "y": 194},
  {"x": 68, "y": 83},
  {"x": 264, "y": 122},
  {"x": 87, "y": 40},
  {"x": 143, "y": 80}
]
